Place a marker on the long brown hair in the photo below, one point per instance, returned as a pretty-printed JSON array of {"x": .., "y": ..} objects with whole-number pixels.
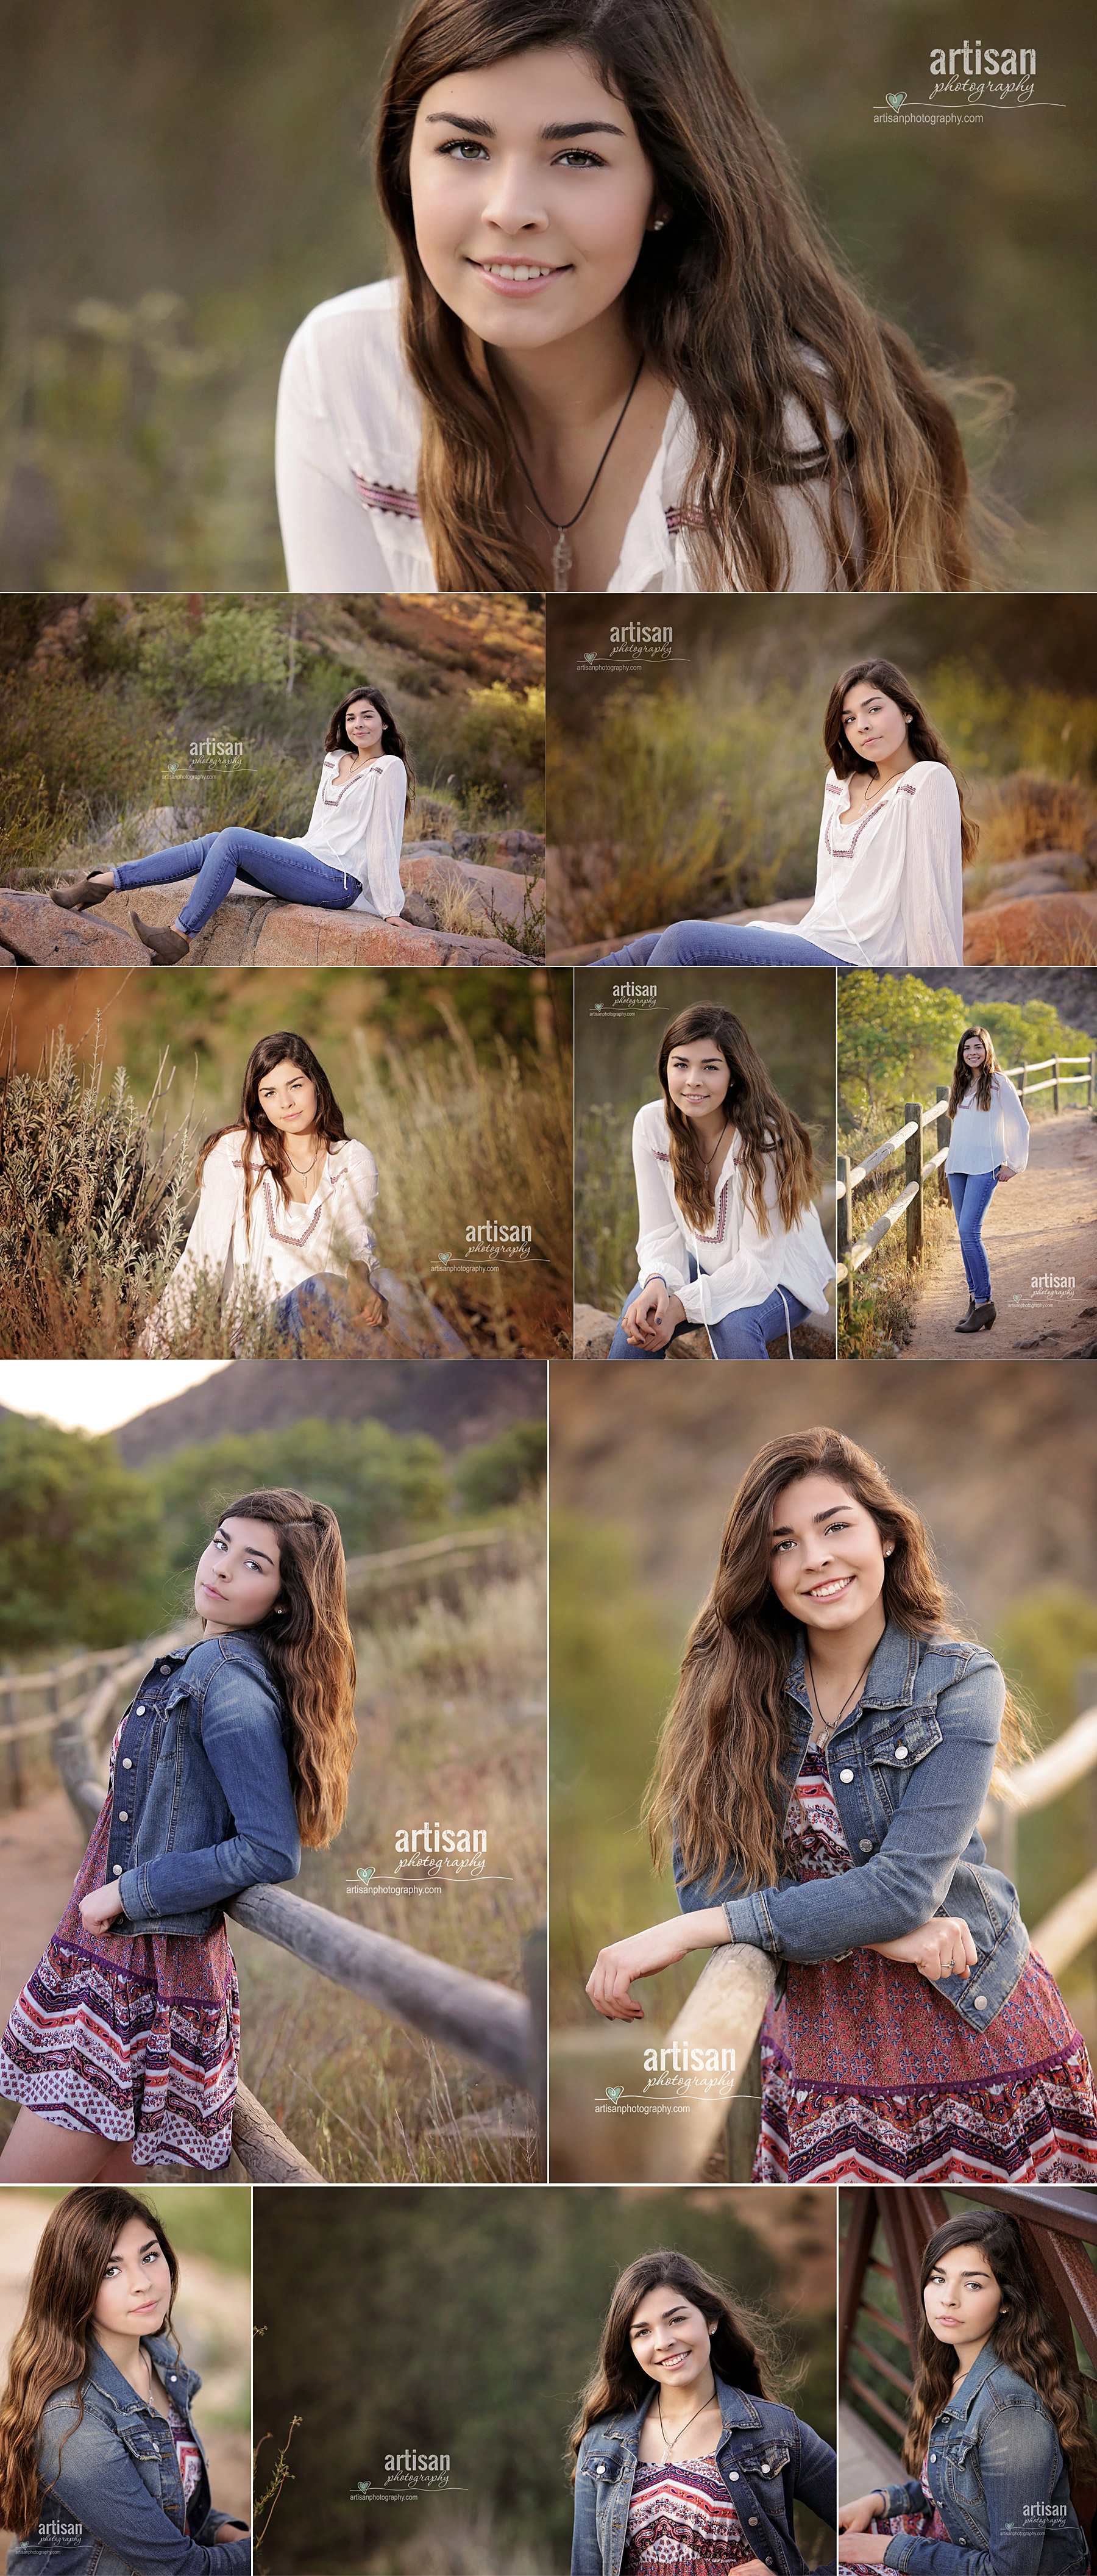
[
  {"x": 763, "y": 1123},
  {"x": 1024, "y": 2337},
  {"x": 715, "y": 1787},
  {"x": 726, "y": 301},
  {"x": 307, "y": 1642},
  {"x": 925, "y": 742},
  {"x": 742, "y": 2350},
  {"x": 963, "y": 1077},
  {"x": 264, "y": 1146},
  {"x": 338, "y": 739},
  {"x": 51, "y": 2348}
]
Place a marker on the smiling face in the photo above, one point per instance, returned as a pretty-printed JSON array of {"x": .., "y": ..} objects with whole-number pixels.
[
  {"x": 974, "y": 1053},
  {"x": 698, "y": 1078},
  {"x": 826, "y": 1555},
  {"x": 671, "y": 2341},
  {"x": 962, "y": 2299},
  {"x": 364, "y": 725},
  {"x": 136, "y": 2286},
  {"x": 239, "y": 1577},
  {"x": 288, "y": 1098},
  {"x": 873, "y": 725},
  {"x": 531, "y": 195}
]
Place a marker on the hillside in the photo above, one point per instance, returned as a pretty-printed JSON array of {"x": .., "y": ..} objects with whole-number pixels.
[{"x": 456, "y": 1405}]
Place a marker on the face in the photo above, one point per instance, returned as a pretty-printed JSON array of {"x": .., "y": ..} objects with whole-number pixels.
[
  {"x": 239, "y": 1577},
  {"x": 872, "y": 724},
  {"x": 698, "y": 1078},
  {"x": 670, "y": 2338},
  {"x": 974, "y": 1053},
  {"x": 136, "y": 2284},
  {"x": 826, "y": 1554},
  {"x": 531, "y": 196},
  {"x": 961, "y": 2298},
  {"x": 364, "y": 725},
  {"x": 289, "y": 1100}
]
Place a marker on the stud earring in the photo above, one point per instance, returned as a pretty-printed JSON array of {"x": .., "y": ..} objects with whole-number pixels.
[{"x": 659, "y": 223}]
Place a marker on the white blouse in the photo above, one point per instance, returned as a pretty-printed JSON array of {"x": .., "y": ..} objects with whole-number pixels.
[
  {"x": 347, "y": 442},
  {"x": 288, "y": 1244},
  {"x": 982, "y": 1139},
  {"x": 888, "y": 880},
  {"x": 737, "y": 1265},
  {"x": 357, "y": 826}
]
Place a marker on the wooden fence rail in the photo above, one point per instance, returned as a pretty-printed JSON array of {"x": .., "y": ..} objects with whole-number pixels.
[
  {"x": 853, "y": 1253},
  {"x": 489, "y": 2025}
]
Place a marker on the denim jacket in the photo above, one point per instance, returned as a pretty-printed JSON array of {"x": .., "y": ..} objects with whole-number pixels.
[
  {"x": 765, "y": 2454},
  {"x": 113, "y": 2496},
  {"x": 909, "y": 1768},
  {"x": 999, "y": 2481},
  {"x": 202, "y": 1802}
]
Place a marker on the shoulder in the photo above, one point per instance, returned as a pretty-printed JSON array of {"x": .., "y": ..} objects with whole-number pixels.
[
  {"x": 227, "y": 1155},
  {"x": 649, "y": 1127},
  {"x": 1009, "y": 2389},
  {"x": 835, "y": 786},
  {"x": 350, "y": 1157},
  {"x": 345, "y": 365},
  {"x": 224, "y": 1662},
  {"x": 950, "y": 1659},
  {"x": 774, "y": 2418},
  {"x": 606, "y": 2428},
  {"x": 932, "y": 779}
]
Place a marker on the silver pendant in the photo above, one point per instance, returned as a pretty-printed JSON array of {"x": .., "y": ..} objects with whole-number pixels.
[{"x": 562, "y": 561}]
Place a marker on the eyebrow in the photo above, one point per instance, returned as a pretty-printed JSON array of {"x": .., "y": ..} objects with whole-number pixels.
[
  {"x": 222, "y": 1532},
  {"x": 480, "y": 125},
  {"x": 150, "y": 2241},
  {"x": 817, "y": 1519}
]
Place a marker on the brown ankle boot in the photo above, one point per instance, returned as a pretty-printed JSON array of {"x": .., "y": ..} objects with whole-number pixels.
[
  {"x": 167, "y": 946},
  {"x": 79, "y": 894}
]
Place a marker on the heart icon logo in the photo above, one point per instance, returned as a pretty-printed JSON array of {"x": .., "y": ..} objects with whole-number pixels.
[
  {"x": 590, "y": 657},
  {"x": 365, "y": 1875},
  {"x": 614, "y": 2092},
  {"x": 363, "y": 2484},
  {"x": 895, "y": 98}
]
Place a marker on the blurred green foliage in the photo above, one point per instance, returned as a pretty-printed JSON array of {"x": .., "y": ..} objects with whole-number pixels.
[
  {"x": 379, "y": 1485},
  {"x": 80, "y": 1559},
  {"x": 472, "y": 2365},
  {"x": 501, "y": 1470},
  {"x": 198, "y": 2218},
  {"x": 897, "y": 1039}
]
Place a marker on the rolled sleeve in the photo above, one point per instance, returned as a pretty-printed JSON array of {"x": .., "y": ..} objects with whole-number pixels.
[
  {"x": 91, "y": 2474},
  {"x": 241, "y": 1730}
]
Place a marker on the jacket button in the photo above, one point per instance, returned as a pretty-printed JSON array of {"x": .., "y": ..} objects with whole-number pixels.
[
  {"x": 733, "y": 2475},
  {"x": 752, "y": 2520},
  {"x": 933, "y": 2455},
  {"x": 117, "y": 1869},
  {"x": 126, "y": 1763},
  {"x": 845, "y": 1775},
  {"x": 900, "y": 1752},
  {"x": 139, "y": 1712},
  {"x": 864, "y": 1846},
  {"x": 123, "y": 1815},
  {"x": 980, "y": 2003},
  {"x": 165, "y": 1668},
  {"x": 765, "y": 2468}
]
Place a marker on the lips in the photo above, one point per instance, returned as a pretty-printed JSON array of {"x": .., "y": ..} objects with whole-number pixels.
[{"x": 831, "y": 1591}]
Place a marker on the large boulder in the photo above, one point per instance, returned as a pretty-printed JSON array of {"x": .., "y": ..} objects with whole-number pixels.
[
  {"x": 1047, "y": 930},
  {"x": 790, "y": 910},
  {"x": 594, "y": 1331},
  {"x": 37, "y": 932},
  {"x": 501, "y": 890},
  {"x": 252, "y": 929}
]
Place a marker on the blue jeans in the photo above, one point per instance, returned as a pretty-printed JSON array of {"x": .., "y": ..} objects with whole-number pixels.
[
  {"x": 318, "y": 1306},
  {"x": 741, "y": 1336},
  {"x": 971, "y": 1194},
  {"x": 277, "y": 867},
  {"x": 720, "y": 943}
]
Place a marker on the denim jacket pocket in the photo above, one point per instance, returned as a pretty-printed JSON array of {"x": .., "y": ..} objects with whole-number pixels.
[{"x": 896, "y": 1745}]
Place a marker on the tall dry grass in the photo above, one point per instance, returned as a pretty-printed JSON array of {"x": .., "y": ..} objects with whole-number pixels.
[{"x": 451, "y": 1695}]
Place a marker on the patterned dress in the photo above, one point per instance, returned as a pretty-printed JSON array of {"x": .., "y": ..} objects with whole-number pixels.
[
  {"x": 132, "y": 2037},
  {"x": 682, "y": 2517},
  {"x": 927, "y": 2526},
  {"x": 870, "y": 2075}
]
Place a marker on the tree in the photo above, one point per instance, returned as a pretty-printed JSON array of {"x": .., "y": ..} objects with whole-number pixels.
[
  {"x": 81, "y": 1557},
  {"x": 381, "y": 1485}
]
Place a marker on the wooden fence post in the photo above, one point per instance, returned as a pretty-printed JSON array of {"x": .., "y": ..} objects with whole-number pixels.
[
  {"x": 914, "y": 1158},
  {"x": 843, "y": 1228},
  {"x": 1090, "y": 1080},
  {"x": 9, "y": 1715},
  {"x": 944, "y": 1137},
  {"x": 1056, "y": 1084}
]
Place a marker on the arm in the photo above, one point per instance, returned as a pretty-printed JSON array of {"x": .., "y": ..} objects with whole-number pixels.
[
  {"x": 328, "y": 541},
  {"x": 931, "y": 895},
  {"x": 206, "y": 1249},
  {"x": 659, "y": 1246},
  {"x": 97, "y": 2482},
  {"x": 817, "y": 2476},
  {"x": 1015, "y": 1127},
  {"x": 1019, "y": 2464},
  {"x": 242, "y": 1740},
  {"x": 384, "y": 838},
  {"x": 357, "y": 1201},
  {"x": 755, "y": 1266}
]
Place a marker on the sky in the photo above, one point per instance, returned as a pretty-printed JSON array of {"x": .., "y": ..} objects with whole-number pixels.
[{"x": 97, "y": 1395}]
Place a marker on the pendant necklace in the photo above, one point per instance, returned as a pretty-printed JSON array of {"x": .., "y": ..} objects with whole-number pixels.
[
  {"x": 828, "y": 1724},
  {"x": 683, "y": 2428},
  {"x": 562, "y": 557},
  {"x": 715, "y": 1150}
]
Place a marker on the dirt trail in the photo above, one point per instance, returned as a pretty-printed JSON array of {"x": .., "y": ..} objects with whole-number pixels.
[
  {"x": 41, "y": 1848},
  {"x": 1042, "y": 1225}
]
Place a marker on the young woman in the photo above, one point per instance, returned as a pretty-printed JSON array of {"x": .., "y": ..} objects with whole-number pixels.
[
  {"x": 893, "y": 841},
  {"x": 682, "y": 2457},
  {"x": 620, "y": 354},
  {"x": 996, "y": 2433},
  {"x": 820, "y": 1779},
  {"x": 988, "y": 1144},
  {"x": 122, "y": 2048},
  {"x": 285, "y": 1208},
  {"x": 347, "y": 861},
  {"x": 729, "y": 1237},
  {"x": 101, "y": 2467}
]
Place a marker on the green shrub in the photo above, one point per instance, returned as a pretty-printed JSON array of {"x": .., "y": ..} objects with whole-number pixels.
[{"x": 501, "y": 1470}]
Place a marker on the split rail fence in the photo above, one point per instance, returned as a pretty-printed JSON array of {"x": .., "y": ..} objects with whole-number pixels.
[
  {"x": 489, "y": 2025},
  {"x": 852, "y": 1253}
]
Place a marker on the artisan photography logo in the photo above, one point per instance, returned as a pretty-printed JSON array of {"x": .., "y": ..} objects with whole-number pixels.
[
  {"x": 630, "y": 646},
  {"x": 428, "y": 1856},
  {"x": 675, "y": 2075},
  {"x": 626, "y": 999},
  {"x": 489, "y": 1244},
  {"x": 407, "y": 2475},
  {"x": 966, "y": 83}
]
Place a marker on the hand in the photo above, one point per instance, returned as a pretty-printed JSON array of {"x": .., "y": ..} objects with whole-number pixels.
[
  {"x": 858, "y": 2515},
  {"x": 943, "y": 1948},
  {"x": 228, "y": 2531},
  {"x": 650, "y": 1320},
  {"x": 99, "y": 1908},
  {"x": 1006, "y": 1173},
  {"x": 868, "y": 2548},
  {"x": 374, "y": 1310},
  {"x": 372, "y": 1307},
  {"x": 644, "y": 1953}
]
